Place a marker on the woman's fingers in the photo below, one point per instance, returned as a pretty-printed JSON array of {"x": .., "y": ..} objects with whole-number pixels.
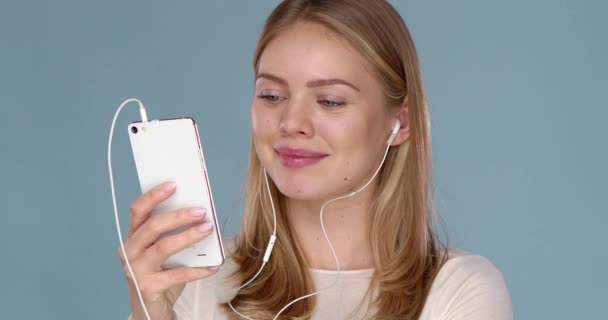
[
  {"x": 153, "y": 281},
  {"x": 147, "y": 247},
  {"x": 153, "y": 227},
  {"x": 165, "y": 247},
  {"x": 161, "y": 281},
  {"x": 141, "y": 207}
]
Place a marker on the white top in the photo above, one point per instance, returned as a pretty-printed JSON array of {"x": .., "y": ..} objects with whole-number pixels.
[{"x": 468, "y": 287}]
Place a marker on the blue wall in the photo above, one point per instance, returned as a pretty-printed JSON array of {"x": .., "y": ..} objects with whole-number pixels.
[{"x": 517, "y": 92}]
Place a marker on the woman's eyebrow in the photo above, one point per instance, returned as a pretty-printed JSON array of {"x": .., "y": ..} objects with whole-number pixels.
[
  {"x": 272, "y": 78},
  {"x": 311, "y": 83},
  {"x": 328, "y": 82}
]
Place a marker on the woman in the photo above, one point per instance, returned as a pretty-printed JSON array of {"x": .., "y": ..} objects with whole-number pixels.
[{"x": 333, "y": 77}]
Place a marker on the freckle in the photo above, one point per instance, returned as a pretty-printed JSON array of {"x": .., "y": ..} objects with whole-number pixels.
[
  {"x": 345, "y": 178},
  {"x": 318, "y": 238},
  {"x": 342, "y": 216},
  {"x": 364, "y": 259}
]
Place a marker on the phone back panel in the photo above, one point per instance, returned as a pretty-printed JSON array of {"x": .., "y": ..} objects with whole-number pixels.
[{"x": 170, "y": 150}]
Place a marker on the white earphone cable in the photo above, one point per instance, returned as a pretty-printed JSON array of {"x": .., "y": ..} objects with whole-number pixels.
[
  {"x": 268, "y": 249},
  {"x": 273, "y": 237},
  {"x": 144, "y": 118}
]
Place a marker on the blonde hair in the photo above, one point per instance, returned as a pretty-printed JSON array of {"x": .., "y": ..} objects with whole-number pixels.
[{"x": 406, "y": 248}]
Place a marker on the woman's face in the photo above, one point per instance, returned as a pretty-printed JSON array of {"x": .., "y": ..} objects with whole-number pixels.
[{"x": 318, "y": 116}]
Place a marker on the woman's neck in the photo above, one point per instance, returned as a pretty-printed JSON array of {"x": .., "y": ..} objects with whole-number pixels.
[{"x": 347, "y": 223}]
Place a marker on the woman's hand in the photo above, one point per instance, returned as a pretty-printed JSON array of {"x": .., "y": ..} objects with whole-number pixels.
[{"x": 147, "y": 251}]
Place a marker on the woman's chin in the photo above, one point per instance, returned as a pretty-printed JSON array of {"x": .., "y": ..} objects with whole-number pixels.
[
  {"x": 309, "y": 192},
  {"x": 306, "y": 186},
  {"x": 301, "y": 194}
]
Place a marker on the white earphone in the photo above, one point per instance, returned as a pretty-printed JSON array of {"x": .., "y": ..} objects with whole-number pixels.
[{"x": 396, "y": 128}]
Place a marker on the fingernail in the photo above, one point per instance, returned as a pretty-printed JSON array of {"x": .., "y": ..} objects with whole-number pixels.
[
  {"x": 198, "y": 212},
  {"x": 205, "y": 227},
  {"x": 169, "y": 186},
  {"x": 213, "y": 268}
]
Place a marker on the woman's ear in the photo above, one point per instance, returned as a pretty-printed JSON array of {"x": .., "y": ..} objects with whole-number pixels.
[{"x": 403, "y": 116}]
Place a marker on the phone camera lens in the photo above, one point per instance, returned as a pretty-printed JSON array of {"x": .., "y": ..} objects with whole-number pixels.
[{"x": 134, "y": 129}]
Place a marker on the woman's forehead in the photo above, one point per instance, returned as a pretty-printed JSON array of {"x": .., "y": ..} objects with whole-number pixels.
[{"x": 311, "y": 51}]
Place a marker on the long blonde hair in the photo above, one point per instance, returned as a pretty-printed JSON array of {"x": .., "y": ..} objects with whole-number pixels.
[{"x": 406, "y": 248}]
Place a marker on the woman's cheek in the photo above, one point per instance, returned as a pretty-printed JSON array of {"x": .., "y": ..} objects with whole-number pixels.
[
  {"x": 254, "y": 118},
  {"x": 261, "y": 119},
  {"x": 263, "y": 132}
]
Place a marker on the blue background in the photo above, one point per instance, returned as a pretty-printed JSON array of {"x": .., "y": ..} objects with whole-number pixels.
[{"x": 518, "y": 104}]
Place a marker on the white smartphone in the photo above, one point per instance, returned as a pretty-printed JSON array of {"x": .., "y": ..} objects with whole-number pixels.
[{"x": 170, "y": 150}]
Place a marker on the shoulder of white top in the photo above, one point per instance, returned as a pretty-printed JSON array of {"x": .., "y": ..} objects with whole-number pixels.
[{"x": 465, "y": 268}]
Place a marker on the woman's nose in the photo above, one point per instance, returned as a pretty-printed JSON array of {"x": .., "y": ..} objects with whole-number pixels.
[{"x": 296, "y": 120}]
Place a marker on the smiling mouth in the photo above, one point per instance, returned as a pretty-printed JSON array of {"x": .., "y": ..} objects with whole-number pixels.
[{"x": 298, "y": 158}]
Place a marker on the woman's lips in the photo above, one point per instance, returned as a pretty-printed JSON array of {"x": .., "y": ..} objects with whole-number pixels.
[{"x": 297, "y": 158}]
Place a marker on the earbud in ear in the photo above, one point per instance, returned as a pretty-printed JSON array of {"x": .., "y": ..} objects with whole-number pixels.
[{"x": 396, "y": 128}]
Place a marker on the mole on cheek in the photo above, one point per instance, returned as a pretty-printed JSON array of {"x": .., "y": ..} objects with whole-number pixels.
[{"x": 345, "y": 178}]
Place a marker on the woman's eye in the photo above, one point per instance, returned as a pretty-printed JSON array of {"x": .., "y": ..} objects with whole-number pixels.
[
  {"x": 331, "y": 103},
  {"x": 270, "y": 98}
]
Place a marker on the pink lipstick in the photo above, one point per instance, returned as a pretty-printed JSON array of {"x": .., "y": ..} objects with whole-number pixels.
[{"x": 297, "y": 157}]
